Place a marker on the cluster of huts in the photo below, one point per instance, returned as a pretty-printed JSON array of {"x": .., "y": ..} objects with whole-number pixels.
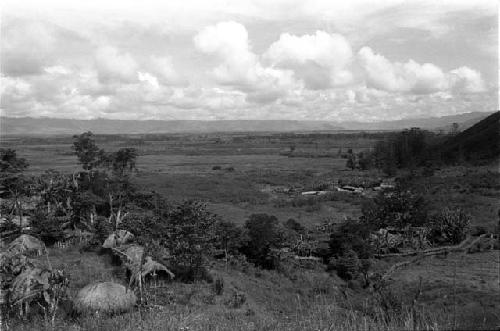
[{"x": 352, "y": 189}]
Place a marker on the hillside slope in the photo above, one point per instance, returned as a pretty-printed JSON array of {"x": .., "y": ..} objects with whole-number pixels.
[{"x": 479, "y": 144}]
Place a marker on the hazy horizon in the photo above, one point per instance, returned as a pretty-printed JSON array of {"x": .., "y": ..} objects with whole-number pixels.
[{"x": 258, "y": 119}]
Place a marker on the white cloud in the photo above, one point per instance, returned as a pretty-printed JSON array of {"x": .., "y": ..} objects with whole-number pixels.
[
  {"x": 229, "y": 42},
  {"x": 115, "y": 66},
  {"x": 240, "y": 67},
  {"x": 26, "y": 47},
  {"x": 320, "y": 59},
  {"x": 148, "y": 78},
  {"x": 164, "y": 70},
  {"x": 280, "y": 61},
  {"x": 414, "y": 77},
  {"x": 57, "y": 70},
  {"x": 466, "y": 79}
]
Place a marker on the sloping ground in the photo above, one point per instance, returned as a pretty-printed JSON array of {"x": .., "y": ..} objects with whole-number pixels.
[
  {"x": 289, "y": 299},
  {"x": 478, "y": 144},
  {"x": 465, "y": 285}
]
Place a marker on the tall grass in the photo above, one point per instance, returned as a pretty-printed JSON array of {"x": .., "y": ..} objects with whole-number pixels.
[{"x": 319, "y": 314}]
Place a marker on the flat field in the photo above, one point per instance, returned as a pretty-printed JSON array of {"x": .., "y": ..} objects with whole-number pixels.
[{"x": 238, "y": 174}]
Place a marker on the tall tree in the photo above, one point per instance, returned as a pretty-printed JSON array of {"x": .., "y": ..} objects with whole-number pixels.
[
  {"x": 351, "y": 160},
  {"x": 86, "y": 150}
]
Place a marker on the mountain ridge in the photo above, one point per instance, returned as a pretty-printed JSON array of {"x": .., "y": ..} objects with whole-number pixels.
[{"x": 48, "y": 125}]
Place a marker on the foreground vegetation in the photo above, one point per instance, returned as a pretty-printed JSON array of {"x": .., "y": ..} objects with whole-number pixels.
[{"x": 261, "y": 271}]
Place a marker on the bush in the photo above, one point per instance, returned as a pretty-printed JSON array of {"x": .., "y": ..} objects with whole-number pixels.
[
  {"x": 293, "y": 225},
  {"x": 181, "y": 237},
  {"x": 190, "y": 237},
  {"x": 348, "y": 265},
  {"x": 228, "y": 237},
  {"x": 450, "y": 226},
  {"x": 351, "y": 235},
  {"x": 364, "y": 161},
  {"x": 263, "y": 235},
  {"x": 396, "y": 208},
  {"x": 47, "y": 227}
]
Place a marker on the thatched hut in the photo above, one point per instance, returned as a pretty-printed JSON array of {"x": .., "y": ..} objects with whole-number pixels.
[
  {"x": 140, "y": 269},
  {"x": 26, "y": 244},
  {"x": 106, "y": 297}
]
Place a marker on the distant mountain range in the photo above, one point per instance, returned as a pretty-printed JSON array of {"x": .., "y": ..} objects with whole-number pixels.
[{"x": 46, "y": 126}]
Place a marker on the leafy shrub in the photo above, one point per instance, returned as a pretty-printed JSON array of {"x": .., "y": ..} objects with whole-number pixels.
[
  {"x": 365, "y": 161},
  {"x": 263, "y": 235},
  {"x": 228, "y": 237},
  {"x": 397, "y": 208},
  {"x": 351, "y": 162},
  {"x": 189, "y": 237},
  {"x": 351, "y": 235},
  {"x": 294, "y": 226},
  {"x": 450, "y": 226},
  {"x": 348, "y": 265},
  {"x": 181, "y": 237},
  {"x": 47, "y": 227}
]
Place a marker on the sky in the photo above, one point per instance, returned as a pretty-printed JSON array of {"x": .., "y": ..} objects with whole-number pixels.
[{"x": 257, "y": 59}]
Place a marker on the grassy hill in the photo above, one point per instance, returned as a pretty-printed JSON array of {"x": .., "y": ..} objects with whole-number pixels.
[{"x": 478, "y": 144}]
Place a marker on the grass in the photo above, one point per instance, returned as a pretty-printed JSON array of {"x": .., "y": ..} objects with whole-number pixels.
[
  {"x": 320, "y": 317},
  {"x": 475, "y": 190},
  {"x": 294, "y": 300}
]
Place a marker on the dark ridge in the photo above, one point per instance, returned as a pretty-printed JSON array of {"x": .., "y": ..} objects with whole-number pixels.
[{"x": 479, "y": 144}]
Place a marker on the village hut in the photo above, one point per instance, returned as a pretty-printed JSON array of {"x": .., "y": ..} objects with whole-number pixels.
[
  {"x": 105, "y": 297},
  {"x": 26, "y": 244},
  {"x": 118, "y": 238},
  {"x": 138, "y": 268}
]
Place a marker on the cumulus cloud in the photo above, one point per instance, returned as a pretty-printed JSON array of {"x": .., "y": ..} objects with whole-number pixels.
[
  {"x": 414, "y": 77},
  {"x": 466, "y": 79},
  {"x": 240, "y": 67},
  {"x": 164, "y": 70},
  {"x": 162, "y": 65},
  {"x": 320, "y": 59},
  {"x": 229, "y": 42},
  {"x": 115, "y": 66}
]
